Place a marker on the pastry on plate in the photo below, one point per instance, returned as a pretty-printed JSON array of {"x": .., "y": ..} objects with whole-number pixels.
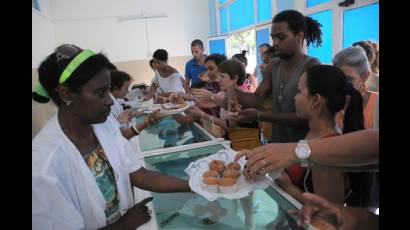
[
  {"x": 217, "y": 165},
  {"x": 227, "y": 185},
  {"x": 234, "y": 166},
  {"x": 210, "y": 184},
  {"x": 211, "y": 173},
  {"x": 231, "y": 173}
]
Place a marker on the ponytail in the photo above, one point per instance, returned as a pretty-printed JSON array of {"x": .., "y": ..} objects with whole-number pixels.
[
  {"x": 313, "y": 32},
  {"x": 298, "y": 22},
  {"x": 241, "y": 57},
  {"x": 353, "y": 118}
]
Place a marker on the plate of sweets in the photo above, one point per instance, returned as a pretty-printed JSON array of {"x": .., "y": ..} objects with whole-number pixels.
[{"x": 217, "y": 176}]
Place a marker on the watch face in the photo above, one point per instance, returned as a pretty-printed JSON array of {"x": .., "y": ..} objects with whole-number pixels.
[{"x": 303, "y": 152}]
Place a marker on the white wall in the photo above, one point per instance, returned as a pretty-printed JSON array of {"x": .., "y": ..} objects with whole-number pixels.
[
  {"x": 42, "y": 33},
  {"x": 126, "y": 41}
]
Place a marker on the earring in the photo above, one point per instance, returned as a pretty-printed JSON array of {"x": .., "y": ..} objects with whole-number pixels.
[{"x": 68, "y": 103}]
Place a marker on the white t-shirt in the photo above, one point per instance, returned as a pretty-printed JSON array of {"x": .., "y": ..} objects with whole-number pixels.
[
  {"x": 169, "y": 84},
  {"x": 65, "y": 194}
]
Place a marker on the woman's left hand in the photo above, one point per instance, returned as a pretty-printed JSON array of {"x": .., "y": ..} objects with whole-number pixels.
[{"x": 267, "y": 158}]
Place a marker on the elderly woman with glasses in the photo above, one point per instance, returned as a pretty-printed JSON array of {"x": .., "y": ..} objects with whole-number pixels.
[{"x": 83, "y": 169}]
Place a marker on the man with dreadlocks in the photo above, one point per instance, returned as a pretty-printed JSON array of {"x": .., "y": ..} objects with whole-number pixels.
[{"x": 290, "y": 29}]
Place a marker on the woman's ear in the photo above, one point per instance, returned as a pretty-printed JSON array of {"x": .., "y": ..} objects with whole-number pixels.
[
  {"x": 65, "y": 94},
  {"x": 317, "y": 100}
]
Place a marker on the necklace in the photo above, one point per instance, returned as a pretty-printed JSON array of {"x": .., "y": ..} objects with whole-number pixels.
[{"x": 284, "y": 81}]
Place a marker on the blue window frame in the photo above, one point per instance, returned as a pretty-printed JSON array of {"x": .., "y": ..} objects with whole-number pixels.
[{"x": 241, "y": 14}]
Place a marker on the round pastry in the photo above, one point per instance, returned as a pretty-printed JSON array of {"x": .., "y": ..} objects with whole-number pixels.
[
  {"x": 227, "y": 185},
  {"x": 217, "y": 165},
  {"x": 210, "y": 184},
  {"x": 210, "y": 173},
  {"x": 230, "y": 173},
  {"x": 234, "y": 166}
]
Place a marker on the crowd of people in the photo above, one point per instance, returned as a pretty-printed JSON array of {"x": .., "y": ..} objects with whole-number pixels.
[{"x": 318, "y": 122}]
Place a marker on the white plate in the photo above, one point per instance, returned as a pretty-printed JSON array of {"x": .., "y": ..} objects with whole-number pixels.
[
  {"x": 244, "y": 187},
  {"x": 164, "y": 111}
]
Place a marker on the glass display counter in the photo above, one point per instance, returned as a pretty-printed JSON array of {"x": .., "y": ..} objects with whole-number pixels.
[{"x": 169, "y": 147}]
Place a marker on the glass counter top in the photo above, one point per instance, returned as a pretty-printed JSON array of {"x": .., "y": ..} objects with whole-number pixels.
[
  {"x": 169, "y": 133},
  {"x": 264, "y": 209}
]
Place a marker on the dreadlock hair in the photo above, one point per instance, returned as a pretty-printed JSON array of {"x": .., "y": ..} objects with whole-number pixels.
[{"x": 298, "y": 22}]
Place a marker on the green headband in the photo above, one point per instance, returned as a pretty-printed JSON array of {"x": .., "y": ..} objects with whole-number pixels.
[
  {"x": 77, "y": 61},
  {"x": 71, "y": 67},
  {"x": 40, "y": 90}
]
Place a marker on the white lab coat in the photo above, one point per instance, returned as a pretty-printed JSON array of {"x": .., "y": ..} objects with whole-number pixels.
[
  {"x": 116, "y": 108},
  {"x": 65, "y": 194}
]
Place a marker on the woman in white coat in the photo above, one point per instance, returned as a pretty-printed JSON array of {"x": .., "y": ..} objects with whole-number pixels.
[{"x": 83, "y": 169}]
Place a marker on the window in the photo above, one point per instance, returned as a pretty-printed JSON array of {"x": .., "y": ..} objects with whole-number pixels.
[
  {"x": 342, "y": 26},
  {"x": 244, "y": 23},
  {"x": 324, "y": 52},
  {"x": 361, "y": 24},
  {"x": 311, "y": 3},
  {"x": 264, "y": 10},
  {"x": 217, "y": 46},
  {"x": 262, "y": 36},
  {"x": 241, "y": 14},
  {"x": 223, "y": 20},
  {"x": 244, "y": 40}
]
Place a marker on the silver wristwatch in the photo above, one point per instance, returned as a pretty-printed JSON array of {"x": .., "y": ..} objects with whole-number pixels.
[{"x": 302, "y": 152}]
